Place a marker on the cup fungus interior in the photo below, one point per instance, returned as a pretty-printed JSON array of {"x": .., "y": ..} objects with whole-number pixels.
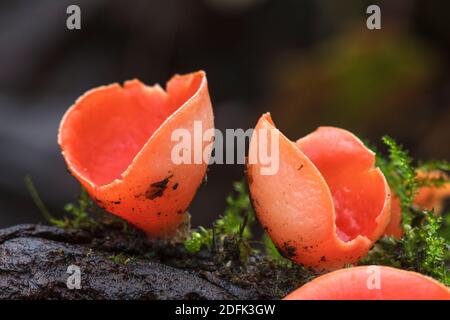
[
  {"x": 357, "y": 188},
  {"x": 110, "y": 125}
]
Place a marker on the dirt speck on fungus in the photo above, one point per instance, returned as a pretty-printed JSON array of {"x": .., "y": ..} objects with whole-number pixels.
[
  {"x": 157, "y": 189},
  {"x": 289, "y": 250}
]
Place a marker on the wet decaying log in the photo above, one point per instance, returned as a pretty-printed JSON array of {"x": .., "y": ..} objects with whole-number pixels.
[{"x": 34, "y": 261}]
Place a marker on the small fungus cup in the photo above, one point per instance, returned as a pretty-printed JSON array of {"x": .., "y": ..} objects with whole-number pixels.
[
  {"x": 427, "y": 198},
  {"x": 117, "y": 142},
  {"x": 327, "y": 204}
]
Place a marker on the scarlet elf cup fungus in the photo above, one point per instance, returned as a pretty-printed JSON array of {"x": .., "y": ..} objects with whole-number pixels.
[
  {"x": 117, "y": 142},
  {"x": 428, "y": 198},
  {"x": 327, "y": 204},
  {"x": 371, "y": 283}
]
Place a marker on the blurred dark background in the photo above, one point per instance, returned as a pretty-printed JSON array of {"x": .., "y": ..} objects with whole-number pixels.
[{"x": 310, "y": 63}]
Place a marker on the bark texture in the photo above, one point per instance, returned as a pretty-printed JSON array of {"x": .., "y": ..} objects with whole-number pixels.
[{"x": 34, "y": 260}]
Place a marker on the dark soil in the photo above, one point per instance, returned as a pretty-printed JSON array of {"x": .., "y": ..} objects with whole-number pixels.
[{"x": 123, "y": 264}]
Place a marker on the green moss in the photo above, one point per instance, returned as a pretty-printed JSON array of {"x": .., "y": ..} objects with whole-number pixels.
[
  {"x": 234, "y": 226},
  {"x": 425, "y": 242},
  {"x": 82, "y": 214},
  {"x": 121, "y": 258},
  {"x": 199, "y": 239},
  {"x": 421, "y": 249},
  {"x": 401, "y": 176},
  {"x": 78, "y": 214},
  {"x": 434, "y": 165},
  {"x": 272, "y": 252}
]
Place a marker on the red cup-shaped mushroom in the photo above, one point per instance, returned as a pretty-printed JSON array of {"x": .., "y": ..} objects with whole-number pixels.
[
  {"x": 117, "y": 141},
  {"x": 371, "y": 283},
  {"x": 326, "y": 204}
]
